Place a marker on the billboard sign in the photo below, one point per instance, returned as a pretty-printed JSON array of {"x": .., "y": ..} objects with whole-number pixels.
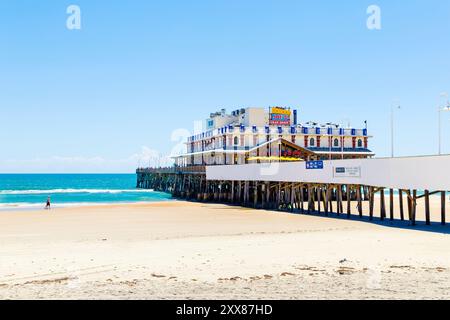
[{"x": 280, "y": 117}]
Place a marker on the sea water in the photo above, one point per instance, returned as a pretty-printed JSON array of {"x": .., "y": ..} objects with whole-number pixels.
[{"x": 22, "y": 191}]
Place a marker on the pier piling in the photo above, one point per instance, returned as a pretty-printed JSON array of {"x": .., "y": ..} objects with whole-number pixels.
[
  {"x": 382, "y": 205},
  {"x": 443, "y": 196},
  {"x": 400, "y": 199},
  {"x": 427, "y": 207},
  {"x": 391, "y": 204},
  {"x": 191, "y": 184}
]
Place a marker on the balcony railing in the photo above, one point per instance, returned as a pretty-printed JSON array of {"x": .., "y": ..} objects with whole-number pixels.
[
  {"x": 274, "y": 130},
  {"x": 337, "y": 150}
]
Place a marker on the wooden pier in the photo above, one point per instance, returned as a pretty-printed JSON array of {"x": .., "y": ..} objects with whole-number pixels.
[{"x": 190, "y": 183}]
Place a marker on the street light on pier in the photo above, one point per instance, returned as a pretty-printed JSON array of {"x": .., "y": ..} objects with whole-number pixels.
[
  {"x": 394, "y": 105},
  {"x": 330, "y": 125},
  {"x": 441, "y": 109}
]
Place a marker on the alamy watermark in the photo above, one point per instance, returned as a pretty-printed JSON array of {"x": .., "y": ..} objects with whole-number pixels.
[
  {"x": 73, "y": 21},
  {"x": 374, "y": 278},
  {"x": 374, "y": 19}
]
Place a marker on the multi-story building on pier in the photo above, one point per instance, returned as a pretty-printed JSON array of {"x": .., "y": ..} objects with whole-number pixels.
[
  {"x": 317, "y": 169},
  {"x": 257, "y": 135}
]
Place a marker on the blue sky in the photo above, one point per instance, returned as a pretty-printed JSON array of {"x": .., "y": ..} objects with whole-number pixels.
[{"x": 101, "y": 98}]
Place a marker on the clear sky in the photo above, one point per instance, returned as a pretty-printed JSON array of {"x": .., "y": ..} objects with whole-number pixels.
[{"x": 104, "y": 97}]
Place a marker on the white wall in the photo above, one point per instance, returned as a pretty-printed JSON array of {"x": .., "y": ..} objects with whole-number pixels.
[
  {"x": 255, "y": 117},
  {"x": 430, "y": 172}
]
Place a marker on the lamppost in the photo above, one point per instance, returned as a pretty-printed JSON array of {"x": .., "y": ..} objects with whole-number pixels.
[
  {"x": 440, "y": 110},
  {"x": 393, "y": 107},
  {"x": 279, "y": 151},
  {"x": 330, "y": 137},
  {"x": 330, "y": 143},
  {"x": 343, "y": 127}
]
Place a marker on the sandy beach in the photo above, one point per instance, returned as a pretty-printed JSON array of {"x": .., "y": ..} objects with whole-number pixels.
[{"x": 178, "y": 250}]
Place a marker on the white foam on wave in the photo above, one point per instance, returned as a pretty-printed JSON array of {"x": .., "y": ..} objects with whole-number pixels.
[
  {"x": 38, "y": 206},
  {"x": 20, "y": 205},
  {"x": 55, "y": 191},
  {"x": 27, "y": 205}
]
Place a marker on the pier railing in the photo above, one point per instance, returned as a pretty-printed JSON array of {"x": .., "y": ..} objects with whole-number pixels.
[{"x": 168, "y": 170}]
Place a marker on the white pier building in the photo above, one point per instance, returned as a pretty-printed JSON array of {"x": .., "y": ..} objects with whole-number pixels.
[{"x": 258, "y": 135}]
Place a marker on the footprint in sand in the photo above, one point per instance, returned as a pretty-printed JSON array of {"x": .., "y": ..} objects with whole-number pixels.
[
  {"x": 158, "y": 275},
  {"x": 345, "y": 270}
]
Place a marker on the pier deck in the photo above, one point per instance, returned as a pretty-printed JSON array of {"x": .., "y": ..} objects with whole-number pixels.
[{"x": 306, "y": 189}]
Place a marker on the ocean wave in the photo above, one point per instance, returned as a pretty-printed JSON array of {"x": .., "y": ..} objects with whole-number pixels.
[
  {"x": 26, "y": 205},
  {"x": 57, "y": 191}
]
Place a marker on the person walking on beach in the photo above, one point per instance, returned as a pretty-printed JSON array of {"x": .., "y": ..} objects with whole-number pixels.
[{"x": 47, "y": 206}]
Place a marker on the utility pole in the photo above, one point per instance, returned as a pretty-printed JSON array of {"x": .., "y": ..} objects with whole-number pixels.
[{"x": 392, "y": 125}]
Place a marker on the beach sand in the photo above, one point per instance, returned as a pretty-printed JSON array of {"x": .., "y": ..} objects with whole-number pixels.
[{"x": 178, "y": 250}]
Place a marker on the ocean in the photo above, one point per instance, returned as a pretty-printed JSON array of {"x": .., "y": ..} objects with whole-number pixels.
[{"x": 28, "y": 191}]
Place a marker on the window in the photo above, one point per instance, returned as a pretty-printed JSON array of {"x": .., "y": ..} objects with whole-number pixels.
[
  {"x": 360, "y": 143},
  {"x": 336, "y": 142},
  {"x": 312, "y": 142},
  {"x": 236, "y": 141}
]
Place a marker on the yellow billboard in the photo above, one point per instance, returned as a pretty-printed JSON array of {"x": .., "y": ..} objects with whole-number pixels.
[{"x": 278, "y": 110}]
